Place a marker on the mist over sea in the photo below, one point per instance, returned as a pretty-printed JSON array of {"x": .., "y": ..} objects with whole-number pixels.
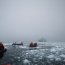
[{"x": 38, "y": 21}]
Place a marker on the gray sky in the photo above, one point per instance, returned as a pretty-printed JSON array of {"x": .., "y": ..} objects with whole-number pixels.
[{"x": 29, "y": 20}]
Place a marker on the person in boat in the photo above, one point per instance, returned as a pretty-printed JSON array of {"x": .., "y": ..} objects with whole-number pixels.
[
  {"x": 35, "y": 44},
  {"x": 2, "y": 50},
  {"x": 14, "y": 43},
  {"x": 31, "y": 44},
  {"x": 22, "y": 43}
]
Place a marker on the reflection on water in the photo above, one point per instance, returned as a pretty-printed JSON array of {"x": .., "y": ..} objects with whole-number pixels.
[
  {"x": 1, "y": 55},
  {"x": 48, "y": 55}
]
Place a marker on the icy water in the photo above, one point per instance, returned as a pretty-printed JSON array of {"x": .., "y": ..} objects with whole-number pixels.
[{"x": 44, "y": 54}]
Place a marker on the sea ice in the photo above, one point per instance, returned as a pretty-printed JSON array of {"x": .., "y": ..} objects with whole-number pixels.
[
  {"x": 26, "y": 61},
  {"x": 51, "y": 56},
  {"x": 62, "y": 55}
]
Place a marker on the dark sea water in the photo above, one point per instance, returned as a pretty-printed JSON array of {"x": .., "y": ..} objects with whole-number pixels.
[{"x": 44, "y": 55}]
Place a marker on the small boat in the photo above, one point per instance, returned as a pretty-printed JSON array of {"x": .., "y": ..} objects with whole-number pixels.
[
  {"x": 18, "y": 43},
  {"x": 33, "y": 44}
]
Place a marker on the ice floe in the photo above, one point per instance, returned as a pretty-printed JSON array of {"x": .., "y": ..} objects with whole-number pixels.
[
  {"x": 25, "y": 61},
  {"x": 51, "y": 56},
  {"x": 62, "y": 55}
]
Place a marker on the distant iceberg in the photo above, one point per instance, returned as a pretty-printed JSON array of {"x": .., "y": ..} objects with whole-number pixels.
[{"x": 42, "y": 40}]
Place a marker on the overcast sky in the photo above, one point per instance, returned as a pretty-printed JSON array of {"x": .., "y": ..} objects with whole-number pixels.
[{"x": 29, "y": 20}]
